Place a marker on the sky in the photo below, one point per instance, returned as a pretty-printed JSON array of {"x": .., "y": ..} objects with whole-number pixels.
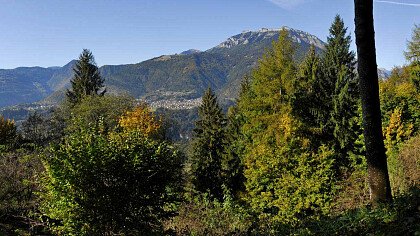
[{"x": 51, "y": 33}]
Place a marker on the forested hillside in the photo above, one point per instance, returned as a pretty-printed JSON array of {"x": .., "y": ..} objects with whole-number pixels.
[{"x": 290, "y": 154}]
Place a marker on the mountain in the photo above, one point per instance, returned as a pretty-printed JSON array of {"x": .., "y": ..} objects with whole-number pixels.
[
  {"x": 169, "y": 80},
  {"x": 383, "y": 73},
  {"x": 32, "y": 84},
  {"x": 189, "y": 52}
]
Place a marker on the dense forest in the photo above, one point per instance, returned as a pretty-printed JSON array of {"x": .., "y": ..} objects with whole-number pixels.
[{"x": 288, "y": 158}]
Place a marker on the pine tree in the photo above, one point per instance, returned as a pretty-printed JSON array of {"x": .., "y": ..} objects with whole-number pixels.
[
  {"x": 86, "y": 80},
  {"x": 208, "y": 147}
]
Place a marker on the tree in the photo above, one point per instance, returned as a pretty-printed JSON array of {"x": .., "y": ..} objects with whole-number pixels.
[
  {"x": 38, "y": 130},
  {"x": 338, "y": 88},
  {"x": 380, "y": 189},
  {"x": 8, "y": 133},
  {"x": 232, "y": 166},
  {"x": 142, "y": 118},
  {"x": 91, "y": 109},
  {"x": 413, "y": 55},
  {"x": 86, "y": 80},
  {"x": 306, "y": 100},
  {"x": 413, "y": 48},
  {"x": 209, "y": 146},
  {"x": 100, "y": 183},
  {"x": 286, "y": 179}
]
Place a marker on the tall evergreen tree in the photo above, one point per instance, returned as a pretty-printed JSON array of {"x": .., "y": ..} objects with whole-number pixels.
[
  {"x": 307, "y": 100},
  {"x": 208, "y": 146},
  {"x": 380, "y": 189},
  {"x": 86, "y": 80},
  {"x": 338, "y": 88},
  {"x": 232, "y": 166}
]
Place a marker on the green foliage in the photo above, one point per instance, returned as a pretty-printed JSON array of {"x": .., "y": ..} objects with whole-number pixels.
[
  {"x": 338, "y": 88},
  {"x": 286, "y": 180},
  {"x": 87, "y": 112},
  {"x": 232, "y": 165},
  {"x": 86, "y": 80},
  {"x": 42, "y": 129},
  {"x": 116, "y": 183},
  {"x": 208, "y": 147},
  {"x": 413, "y": 48},
  {"x": 400, "y": 218},
  {"x": 404, "y": 166},
  {"x": 18, "y": 173},
  {"x": 204, "y": 215}
]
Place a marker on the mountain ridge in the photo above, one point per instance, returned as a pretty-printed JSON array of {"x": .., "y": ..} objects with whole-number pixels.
[{"x": 177, "y": 77}]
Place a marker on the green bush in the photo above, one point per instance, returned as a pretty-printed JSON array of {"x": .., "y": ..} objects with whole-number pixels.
[
  {"x": 404, "y": 166},
  {"x": 400, "y": 218},
  {"x": 117, "y": 183},
  {"x": 203, "y": 215}
]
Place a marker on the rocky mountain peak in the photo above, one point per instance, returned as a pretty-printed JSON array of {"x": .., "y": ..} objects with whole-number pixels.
[{"x": 247, "y": 37}]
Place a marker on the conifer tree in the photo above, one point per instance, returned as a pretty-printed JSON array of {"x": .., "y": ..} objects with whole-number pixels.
[
  {"x": 86, "y": 80},
  {"x": 338, "y": 88},
  {"x": 232, "y": 166},
  {"x": 307, "y": 106},
  {"x": 208, "y": 146}
]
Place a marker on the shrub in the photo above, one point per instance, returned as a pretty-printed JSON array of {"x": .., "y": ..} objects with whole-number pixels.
[
  {"x": 18, "y": 186},
  {"x": 117, "y": 183},
  {"x": 202, "y": 215},
  {"x": 405, "y": 166},
  {"x": 87, "y": 112}
]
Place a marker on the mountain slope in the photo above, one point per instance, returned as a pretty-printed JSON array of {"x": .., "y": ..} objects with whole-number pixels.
[{"x": 176, "y": 78}]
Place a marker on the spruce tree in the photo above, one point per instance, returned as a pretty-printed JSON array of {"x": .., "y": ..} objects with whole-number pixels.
[
  {"x": 338, "y": 88},
  {"x": 232, "y": 166},
  {"x": 86, "y": 80},
  {"x": 208, "y": 147},
  {"x": 307, "y": 106}
]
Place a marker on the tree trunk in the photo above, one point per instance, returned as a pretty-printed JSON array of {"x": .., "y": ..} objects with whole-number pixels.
[{"x": 380, "y": 190}]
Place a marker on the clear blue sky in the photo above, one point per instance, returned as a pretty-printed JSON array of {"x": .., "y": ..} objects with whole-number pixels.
[{"x": 51, "y": 33}]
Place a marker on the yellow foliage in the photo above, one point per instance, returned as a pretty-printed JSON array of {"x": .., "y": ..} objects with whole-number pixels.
[
  {"x": 7, "y": 130},
  {"x": 141, "y": 119},
  {"x": 396, "y": 132}
]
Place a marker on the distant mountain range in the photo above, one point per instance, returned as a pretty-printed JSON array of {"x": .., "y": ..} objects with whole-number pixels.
[{"x": 170, "y": 81}]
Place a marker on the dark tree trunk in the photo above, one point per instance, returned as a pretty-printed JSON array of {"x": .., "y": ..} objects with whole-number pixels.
[{"x": 380, "y": 190}]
